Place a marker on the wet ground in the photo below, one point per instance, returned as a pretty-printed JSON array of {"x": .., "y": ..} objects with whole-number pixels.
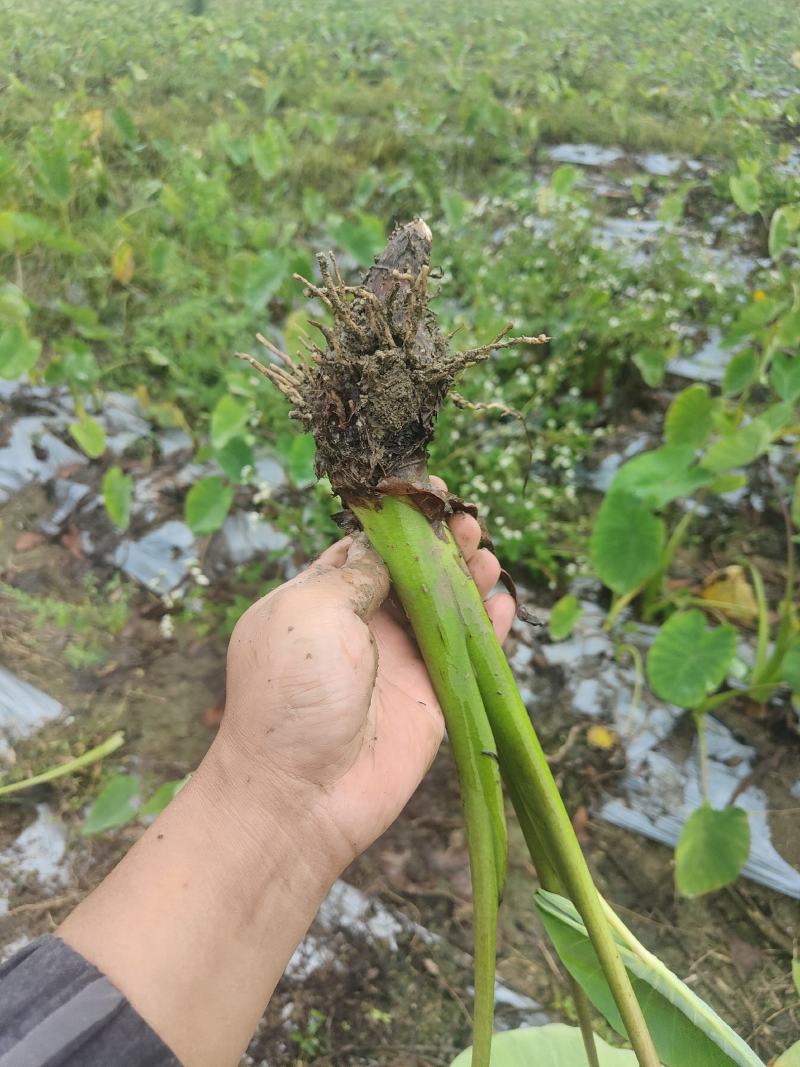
[{"x": 102, "y": 630}]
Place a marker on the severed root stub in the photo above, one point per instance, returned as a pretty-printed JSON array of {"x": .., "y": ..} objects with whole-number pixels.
[{"x": 371, "y": 396}]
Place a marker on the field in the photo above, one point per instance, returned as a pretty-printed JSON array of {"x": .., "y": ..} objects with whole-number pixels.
[{"x": 623, "y": 176}]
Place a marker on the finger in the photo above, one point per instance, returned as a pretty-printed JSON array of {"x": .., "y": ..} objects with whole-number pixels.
[
  {"x": 438, "y": 483},
  {"x": 485, "y": 570},
  {"x": 363, "y": 578},
  {"x": 336, "y": 554},
  {"x": 502, "y": 610},
  {"x": 467, "y": 534}
]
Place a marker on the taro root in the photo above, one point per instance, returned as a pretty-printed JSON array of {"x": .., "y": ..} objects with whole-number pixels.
[{"x": 370, "y": 397}]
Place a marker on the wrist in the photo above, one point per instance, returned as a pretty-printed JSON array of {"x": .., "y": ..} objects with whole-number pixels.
[{"x": 271, "y": 813}]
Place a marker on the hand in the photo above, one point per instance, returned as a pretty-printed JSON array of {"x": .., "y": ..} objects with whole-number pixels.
[{"x": 329, "y": 702}]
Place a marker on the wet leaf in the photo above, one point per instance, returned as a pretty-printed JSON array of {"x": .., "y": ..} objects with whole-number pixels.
[
  {"x": 117, "y": 495},
  {"x": 687, "y": 661},
  {"x": 746, "y": 192},
  {"x": 228, "y": 419},
  {"x": 712, "y": 849},
  {"x": 89, "y": 435},
  {"x": 113, "y": 806},
  {"x": 731, "y": 593},
  {"x": 688, "y": 420},
  {"x": 740, "y": 372},
  {"x": 552, "y": 1045},
  {"x": 207, "y": 505},
  {"x": 122, "y": 263},
  {"x": 626, "y": 542},
  {"x": 18, "y": 352},
  {"x": 563, "y": 617},
  {"x": 685, "y": 1030}
]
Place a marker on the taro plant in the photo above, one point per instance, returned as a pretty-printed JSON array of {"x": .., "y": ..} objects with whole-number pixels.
[{"x": 370, "y": 398}]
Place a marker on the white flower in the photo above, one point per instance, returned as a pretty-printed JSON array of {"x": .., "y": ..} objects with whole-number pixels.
[{"x": 166, "y": 626}]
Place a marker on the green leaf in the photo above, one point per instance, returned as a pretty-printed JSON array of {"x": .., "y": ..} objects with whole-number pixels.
[
  {"x": 363, "y": 239},
  {"x": 454, "y": 208},
  {"x": 113, "y": 805},
  {"x": 117, "y": 494},
  {"x": 18, "y": 352},
  {"x": 727, "y": 483},
  {"x": 746, "y": 192},
  {"x": 685, "y": 1030},
  {"x": 563, "y": 617},
  {"x": 740, "y": 372},
  {"x": 688, "y": 419},
  {"x": 788, "y": 333},
  {"x": 652, "y": 364},
  {"x": 782, "y": 227},
  {"x": 228, "y": 419},
  {"x": 785, "y": 376},
  {"x": 552, "y": 1045},
  {"x": 626, "y": 542},
  {"x": 52, "y": 174},
  {"x": 662, "y": 475},
  {"x": 712, "y": 849},
  {"x": 671, "y": 209},
  {"x": 791, "y": 1057},
  {"x": 124, "y": 125},
  {"x": 89, "y": 435},
  {"x": 687, "y": 661},
  {"x": 164, "y": 795},
  {"x": 257, "y": 278},
  {"x": 795, "y": 506},
  {"x": 739, "y": 448},
  {"x": 75, "y": 365},
  {"x": 300, "y": 460},
  {"x": 564, "y": 179},
  {"x": 270, "y": 149},
  {"x": 790, "y": 665},
  {"x": 207, "y": 505},
  {"x": 234, "y": 457}
]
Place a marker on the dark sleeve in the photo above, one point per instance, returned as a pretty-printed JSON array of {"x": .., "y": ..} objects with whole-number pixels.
[{"x": 57, "y": 1010}]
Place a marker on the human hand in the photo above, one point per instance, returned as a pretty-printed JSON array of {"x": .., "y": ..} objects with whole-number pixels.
[{"x": 330, "y": 710}]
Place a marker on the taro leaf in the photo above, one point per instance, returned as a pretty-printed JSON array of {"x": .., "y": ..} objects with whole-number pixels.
[
  {"x": 785, "y": 376},
  {"x": 363, "y": 239},
  {"x": 791, "y": 1057},
  {"x": 789, "y": 328},
  {"x": 270, "y": 149},
  {"x": 651, "y": 363},
  {"x": 124, "y": 124},
  {"x": 453, "y": 207},
  {"x": 563, "y": 179},
  {"x": 117, "y": 494},
  {"x": 18, "y": 352},
  {"x": 662, "y": 475},
  {"x": 687, "y": 661},
  {"x": 688, "y": 420},
  {"x": 563, "y": 617},
  {"x": 89, "y": 435},
  {"x": 740, "y": 372},
  {"x": 228, "y": 419},
  {"x": 207, "y": 505},
  {"x": 781, "y": 230},
  {"x": 746, "y": 192},
  {"x": 685, "y": 1030},
  {"x": 234, "y": 456},
  {"x": 113, "y": 806},
  {"x": 52, "y": 178},
  {"x": 301, "y": 460},
  {"x": 256, "y": 279},
  {"x": 552, "y": 1045},
  {"x": 164, "y": 795},
  {"x": 739, "y": 448},
  {"x": 626, "y": 542},
  {"x": 712, "y": 849},
  {"x": 790, "y": 666}
]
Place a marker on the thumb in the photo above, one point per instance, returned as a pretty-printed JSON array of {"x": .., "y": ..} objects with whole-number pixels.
[{"x": 359, "y": 578}]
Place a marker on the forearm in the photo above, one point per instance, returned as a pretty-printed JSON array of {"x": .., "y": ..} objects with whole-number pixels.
[{"x": 196, "y": 925}]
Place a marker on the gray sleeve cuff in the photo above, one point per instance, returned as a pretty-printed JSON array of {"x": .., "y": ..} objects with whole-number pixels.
[{"x": 57, "y": 1010}]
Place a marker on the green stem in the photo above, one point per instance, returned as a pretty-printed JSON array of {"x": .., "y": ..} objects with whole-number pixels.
[
  {"x": 111, "y": 744},
  {"x": 430, "y": 575},
  {"x": 416, "y": 559}
]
